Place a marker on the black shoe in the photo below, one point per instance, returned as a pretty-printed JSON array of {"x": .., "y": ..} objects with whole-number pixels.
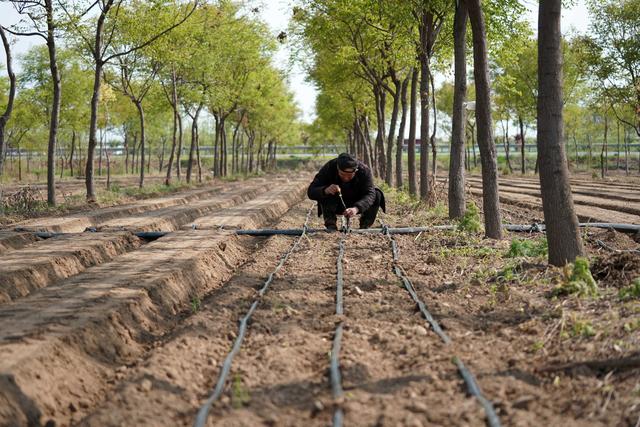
[{"x": 331, "y": 226}]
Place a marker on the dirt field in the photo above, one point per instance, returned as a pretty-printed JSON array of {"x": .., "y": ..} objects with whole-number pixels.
[{"x": 104, "y": 328}]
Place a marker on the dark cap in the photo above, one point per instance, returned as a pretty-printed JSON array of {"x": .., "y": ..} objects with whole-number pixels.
[{"x": 347, "y": 161}]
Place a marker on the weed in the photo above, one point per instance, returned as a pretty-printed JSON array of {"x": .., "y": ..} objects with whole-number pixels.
[
  {"x": 537, "y": 346},
  {"x": 239, "y": 395},
  {"x": 632, "y": 326},
  {"x": 195, "y": 304},
  {"x": 630, "y": 292},
  {"x": 582, "y": 328},
  {"x": 577, "y": 280},
  {"x": 527, "y": 248},
  {"x": 470, "y": 222}
]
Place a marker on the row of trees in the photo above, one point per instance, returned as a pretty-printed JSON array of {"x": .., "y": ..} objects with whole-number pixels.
[
  {"x": 149, "y": 71},
  {"x": 369, "y": 57}
]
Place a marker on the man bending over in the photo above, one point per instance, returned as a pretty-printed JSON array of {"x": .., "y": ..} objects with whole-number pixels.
[{"x": 344, "y": 186}]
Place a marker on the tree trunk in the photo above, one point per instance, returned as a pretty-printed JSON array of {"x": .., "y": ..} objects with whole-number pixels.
[
  {"x": 618, "y": 147},
  {"x": 12, "y": 94},
  {"x": 490, "y": 200},
  {"x": 432, "y": 139},
  {"x": 192, "y": 148},
  {"x": 164, "y": 143},
  {"x": 523, "y": 159},
  {"x": 198, "y": 162},
  {"x": 142, "y": 141},
  {"x": 55, "y": 107},
  {"x": 73, "y": 148},
  {"x": 575, "y": 145},
  {"x": 411, "y": 148},
  {"x": 95, "y": 99},
  {"x": 126, "y": 150},
  {"x": 456, "y": 199},
  {"x": 106, "y": 152},
  {"x": 403, "y": 124},
  {"x": 100, "y": 150},
  {"x": 380, "y": 158},
  {"x": 397, "y": 84},
  {"x": 426, "y": 23},
  {"x": 559, "y": 216},
  {"x": 627, "y": 151},
  {"x": 179, "y": 154},
  {"x": 603, "y": 151},
  {"x": 507, "y": 147},
  {"x": 216, "y": 143}
]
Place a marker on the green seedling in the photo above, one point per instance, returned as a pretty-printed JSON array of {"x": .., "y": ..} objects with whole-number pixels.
[
  {"x": 577, "y": 281},
  {"x": 195, "y": 304},
  {"x": 239, "y": 395},
  {"x": 470, "y": 222},
  {"x": 527, "y": 248},
  {"x": 630, "y": 292},
  {"x": 582, "y": 328}
]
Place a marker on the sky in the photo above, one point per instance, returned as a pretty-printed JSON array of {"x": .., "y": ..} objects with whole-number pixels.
[{"x": 276, "y": 14}]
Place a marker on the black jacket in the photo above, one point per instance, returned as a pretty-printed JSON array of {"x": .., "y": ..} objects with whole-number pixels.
[{"x": 359, "y": 192}]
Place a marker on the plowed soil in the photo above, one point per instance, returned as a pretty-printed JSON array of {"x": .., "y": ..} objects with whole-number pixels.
[{"x": 103, "y": 328}]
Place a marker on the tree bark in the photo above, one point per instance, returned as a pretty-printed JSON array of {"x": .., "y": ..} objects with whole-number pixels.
[
  {"x": 603, "y": 151},
  {"x": 397, "y": 84},
  {"x": 55, "y": 107},
  {"x": 73, "y": 148},
  {"x": 432, "y": 138},
  {"x": 403, "y": 124},
  {"x": 411, "y": 148},
  {"x": 12, "y": 94},
  {"x": 426, "y": 23},
  {"x": 560, "y": 219},
  {"x": 142, "y": 141},
  {"x": 192, "y": 148},
  {"x": 95, "y": 99},
  {"x": 456, "y": 199},
  {"x": 490, "y": 200},
  {"x": 380, "y": 158},
  {"x": 523, "y": 159}
]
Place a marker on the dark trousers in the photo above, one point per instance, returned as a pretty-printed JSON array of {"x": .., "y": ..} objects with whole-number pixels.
[{"x": 332, "y": 207}]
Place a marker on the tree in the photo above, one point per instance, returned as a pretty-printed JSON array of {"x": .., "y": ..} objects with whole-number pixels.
[
  {"x": 490, "y": 198},
  {"x": 456, "y": 159},
  {"x": 91, "y": 30},
  {"x": 615, "y": 56},
  {"x": 12, "y": 93},
  {"x": 44, "y": 24},
  {"x": 559, "y": 215}
]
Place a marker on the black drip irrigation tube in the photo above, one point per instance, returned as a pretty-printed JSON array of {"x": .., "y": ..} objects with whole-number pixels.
[
  {"x": 532, "y": 228},
  {"x": 334, "y": 367},
  {"x": 472, "y": 386},
  {"x": 203, "y": 412}
]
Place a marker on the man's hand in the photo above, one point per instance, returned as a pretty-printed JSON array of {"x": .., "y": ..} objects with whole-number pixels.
[
  {"x": 333, "y": 189},
  {"x": 350, "y": 212}
]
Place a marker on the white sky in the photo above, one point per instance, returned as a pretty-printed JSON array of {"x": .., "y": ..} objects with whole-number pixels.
[{"x": 276, "y": 13}]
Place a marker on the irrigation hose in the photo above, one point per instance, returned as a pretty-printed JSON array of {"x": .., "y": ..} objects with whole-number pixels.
[
  {"x": 334, "y": 366},
  {"x": 203, "y": 412},
  {"x": 467, "y": 376}
]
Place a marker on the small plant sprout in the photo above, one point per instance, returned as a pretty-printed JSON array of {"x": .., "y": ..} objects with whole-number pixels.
[
  {"x": 470, "y": 222},
  {"x": 195, "y": 304},
  {"x": 577, "y": 280},
  {"x": 630, "y": 292}
]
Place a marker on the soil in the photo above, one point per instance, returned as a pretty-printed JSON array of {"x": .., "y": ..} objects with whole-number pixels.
[{"x": 137, "y": 334}]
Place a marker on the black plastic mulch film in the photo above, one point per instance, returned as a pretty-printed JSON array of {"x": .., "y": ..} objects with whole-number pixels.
[
  {"x": 203, "y": 413},
  {"x": 472, "y": 386}
]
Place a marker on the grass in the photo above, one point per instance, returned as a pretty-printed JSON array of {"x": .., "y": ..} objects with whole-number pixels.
[
  {"x": 630, "y": 292},
  {"x": 577, "y": 281},
  {"x": 470, "y": 222},
  {"x": 528, "y": 248}
]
